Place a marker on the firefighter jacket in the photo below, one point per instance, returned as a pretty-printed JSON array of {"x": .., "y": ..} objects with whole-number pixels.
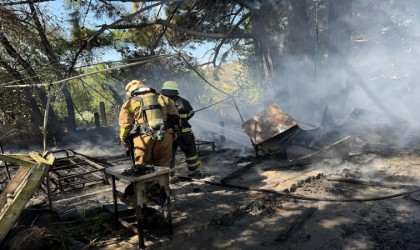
[
  {"x": 131, "y": 114},
  {"x": 185, "y": 112}
]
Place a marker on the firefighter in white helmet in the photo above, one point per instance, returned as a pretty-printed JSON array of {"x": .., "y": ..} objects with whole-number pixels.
[
  {"x": 186, "y": 140},
  {"x": 151, "y": 121}
]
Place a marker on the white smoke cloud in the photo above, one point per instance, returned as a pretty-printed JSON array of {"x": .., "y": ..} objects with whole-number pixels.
[{"x": 378, "y": 73}]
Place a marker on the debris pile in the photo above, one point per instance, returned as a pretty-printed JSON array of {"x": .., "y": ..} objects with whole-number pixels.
[{"x": 276, "y": 132}]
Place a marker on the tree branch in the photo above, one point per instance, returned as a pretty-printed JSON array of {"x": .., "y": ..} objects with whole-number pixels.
[
  {"x": 180, "y": 29},
  {"x": 110, "y": 26},
  {"x": 164, "y": 28},
  {"x": 252, "y": 5},
  {"x": 25, "y": 2},
  {"x": 217, "y": 50},
  {"x": 14, "y": 54},
  {"x": 54, "y": 63}
]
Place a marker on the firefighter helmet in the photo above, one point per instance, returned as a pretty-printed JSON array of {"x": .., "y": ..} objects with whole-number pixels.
[
  {"x": 170, "y": 89},
  {"x": 136, "y": 86},
  {"x": 170, "y": 85}
]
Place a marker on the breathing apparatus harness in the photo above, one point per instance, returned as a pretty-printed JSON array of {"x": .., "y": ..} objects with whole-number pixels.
[{"x": 151, "y": 112}]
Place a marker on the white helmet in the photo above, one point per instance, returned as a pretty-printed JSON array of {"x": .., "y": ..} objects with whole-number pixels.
[{"x": 136, "y": 86}]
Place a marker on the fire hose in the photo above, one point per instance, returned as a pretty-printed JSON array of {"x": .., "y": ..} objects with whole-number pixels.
[{"x": 302, "y": 197}]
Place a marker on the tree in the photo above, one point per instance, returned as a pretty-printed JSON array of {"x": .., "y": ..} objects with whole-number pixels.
[
  {"x": 32, "y": 51},
  {"x": 14, "y": 60},
  {"x": 284, "y": 43}
]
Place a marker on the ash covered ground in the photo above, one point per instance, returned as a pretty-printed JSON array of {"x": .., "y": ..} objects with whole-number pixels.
[{"x": 363, "y": 201}]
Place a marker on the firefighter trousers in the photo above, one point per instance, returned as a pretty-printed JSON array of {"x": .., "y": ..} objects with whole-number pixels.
[
  {"x": 187, "y": 144},
  {"x": 150, "y": 152}
]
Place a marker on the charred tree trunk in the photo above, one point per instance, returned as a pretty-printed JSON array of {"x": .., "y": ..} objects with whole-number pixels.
[
  {"x": 57, "y": 68},
  {"x": 340, "y": 12},
  {"x": 299, "y": 63},
  {"x": 284, "y": 50},
  {"x": 300, "y": 42},
  {"x": 268, "y": 40}
]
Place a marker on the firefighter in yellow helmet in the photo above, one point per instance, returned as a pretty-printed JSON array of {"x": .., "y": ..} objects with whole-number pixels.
[
  {"x": 186, "y": 140},
  {"x": 151, "y": 121}
]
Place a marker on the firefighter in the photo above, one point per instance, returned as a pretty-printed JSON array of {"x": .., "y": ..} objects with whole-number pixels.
[
  {"x": 185, "y": 140},
  {"x": 149, "y": 123}
]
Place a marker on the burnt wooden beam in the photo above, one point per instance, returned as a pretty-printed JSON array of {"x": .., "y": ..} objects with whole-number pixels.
[{"x": 296, "y": 224}]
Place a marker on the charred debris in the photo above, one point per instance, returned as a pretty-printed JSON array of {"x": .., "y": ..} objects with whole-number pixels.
[
  {"x": 274, "y": 132},
  {"x": 65, "y": 174}
]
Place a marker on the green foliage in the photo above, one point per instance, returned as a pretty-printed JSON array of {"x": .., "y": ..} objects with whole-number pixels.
[
  {"x": 87, "y": 93},
  {"x": 203, "y": 16},
  {"x": 233, "y": 79},
  {"x": 14, "y": 112}
]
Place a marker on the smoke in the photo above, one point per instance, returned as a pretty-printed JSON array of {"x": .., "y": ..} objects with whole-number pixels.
[
  {"x": 223, "y": 130},
  {"x": 378, "y": 72}
]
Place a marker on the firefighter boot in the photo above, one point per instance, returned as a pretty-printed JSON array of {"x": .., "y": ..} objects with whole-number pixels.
[{"x": 195, "y": 172}]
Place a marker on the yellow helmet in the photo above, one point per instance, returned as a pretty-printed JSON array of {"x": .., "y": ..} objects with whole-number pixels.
[
  {"x": 135, "y": 86},
  {"x": 170, "y": 85}
]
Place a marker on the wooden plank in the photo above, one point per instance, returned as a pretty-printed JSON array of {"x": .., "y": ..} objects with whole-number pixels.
[
  {"x": 238, "y": 172},
  {"x": 17, "y": 179},
  {"x": 92, "y": 163},
  {"x": 45, "y": 158},
  {"x": 19, "y": 159},
  {"x": 11, "y": 211},
  {"x": 95, "y": 165}
]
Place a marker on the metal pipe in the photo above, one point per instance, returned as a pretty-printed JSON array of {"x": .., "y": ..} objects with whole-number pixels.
[
  {"x": 47, "y": 110},
  {"x": 77, "y": 175},
  {"x": 115, "y": 195}
]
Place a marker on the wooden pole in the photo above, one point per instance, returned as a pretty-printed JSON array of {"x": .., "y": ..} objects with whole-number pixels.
[
  {"x": 97, "y": 123},
  {"x": 103, "y": 114}
]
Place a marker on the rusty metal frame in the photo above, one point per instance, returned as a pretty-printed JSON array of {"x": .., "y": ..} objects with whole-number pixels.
[
  {"x": 74, "y": 171},
  {"x": 198, "y": 143}
]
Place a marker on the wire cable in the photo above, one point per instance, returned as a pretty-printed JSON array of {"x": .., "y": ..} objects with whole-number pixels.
[
  {"x": 211, "y": 105},
  {"x": 80, "y": 67},
  {"x": 201, "y": 76},
  {"x": 86, "y": 74}
]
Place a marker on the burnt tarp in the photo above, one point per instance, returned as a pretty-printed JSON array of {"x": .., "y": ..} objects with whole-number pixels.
[
  {"x": 273, "y": 129},
  {"x": 371, "y": 127}
]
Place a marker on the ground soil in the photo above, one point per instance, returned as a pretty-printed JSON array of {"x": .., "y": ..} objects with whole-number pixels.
[
  {"x": 357, "y": 202},
  {"x": 239, "y": 219}
]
